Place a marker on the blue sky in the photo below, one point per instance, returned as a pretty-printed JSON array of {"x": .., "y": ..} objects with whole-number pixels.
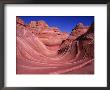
[{"x": 64, "y": 23}]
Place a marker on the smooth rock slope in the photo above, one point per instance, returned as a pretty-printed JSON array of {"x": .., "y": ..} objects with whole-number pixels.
[{"x": 41, "y": 49}]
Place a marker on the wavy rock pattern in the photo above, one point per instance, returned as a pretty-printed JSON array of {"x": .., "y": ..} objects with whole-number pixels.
[{"x": 46, "y": 50}]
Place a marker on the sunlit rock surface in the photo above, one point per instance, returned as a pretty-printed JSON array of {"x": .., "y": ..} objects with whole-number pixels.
[{"x": 47, "y": 50}]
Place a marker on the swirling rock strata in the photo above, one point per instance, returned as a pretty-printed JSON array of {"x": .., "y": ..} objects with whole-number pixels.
[{"x": 41, "y": 49}]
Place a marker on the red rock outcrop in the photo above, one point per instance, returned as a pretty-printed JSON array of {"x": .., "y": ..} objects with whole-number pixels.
[
  {"x": 81, "y": 44},
  {"x": 46, "y": 50},
  {"x": 19, "y": 24}
]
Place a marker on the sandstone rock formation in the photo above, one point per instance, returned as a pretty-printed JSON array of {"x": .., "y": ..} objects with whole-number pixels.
[
  {"x": 80, "y": 43},
  {"x": 46, "y": 50}
]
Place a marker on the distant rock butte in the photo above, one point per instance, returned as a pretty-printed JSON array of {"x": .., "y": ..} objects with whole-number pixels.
[
  {"x": 48, "y": 35},
  {"x": 42, "y": 49}
]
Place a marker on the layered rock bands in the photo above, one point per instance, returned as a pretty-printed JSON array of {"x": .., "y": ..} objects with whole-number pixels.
[{"x": 41, "y": 49}]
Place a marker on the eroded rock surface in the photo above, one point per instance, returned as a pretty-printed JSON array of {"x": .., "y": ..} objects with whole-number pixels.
[{"x": 46, "y": 50}]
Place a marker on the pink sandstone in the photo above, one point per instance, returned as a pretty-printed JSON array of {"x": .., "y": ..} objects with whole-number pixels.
[{"x": 46, "y": 50}]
